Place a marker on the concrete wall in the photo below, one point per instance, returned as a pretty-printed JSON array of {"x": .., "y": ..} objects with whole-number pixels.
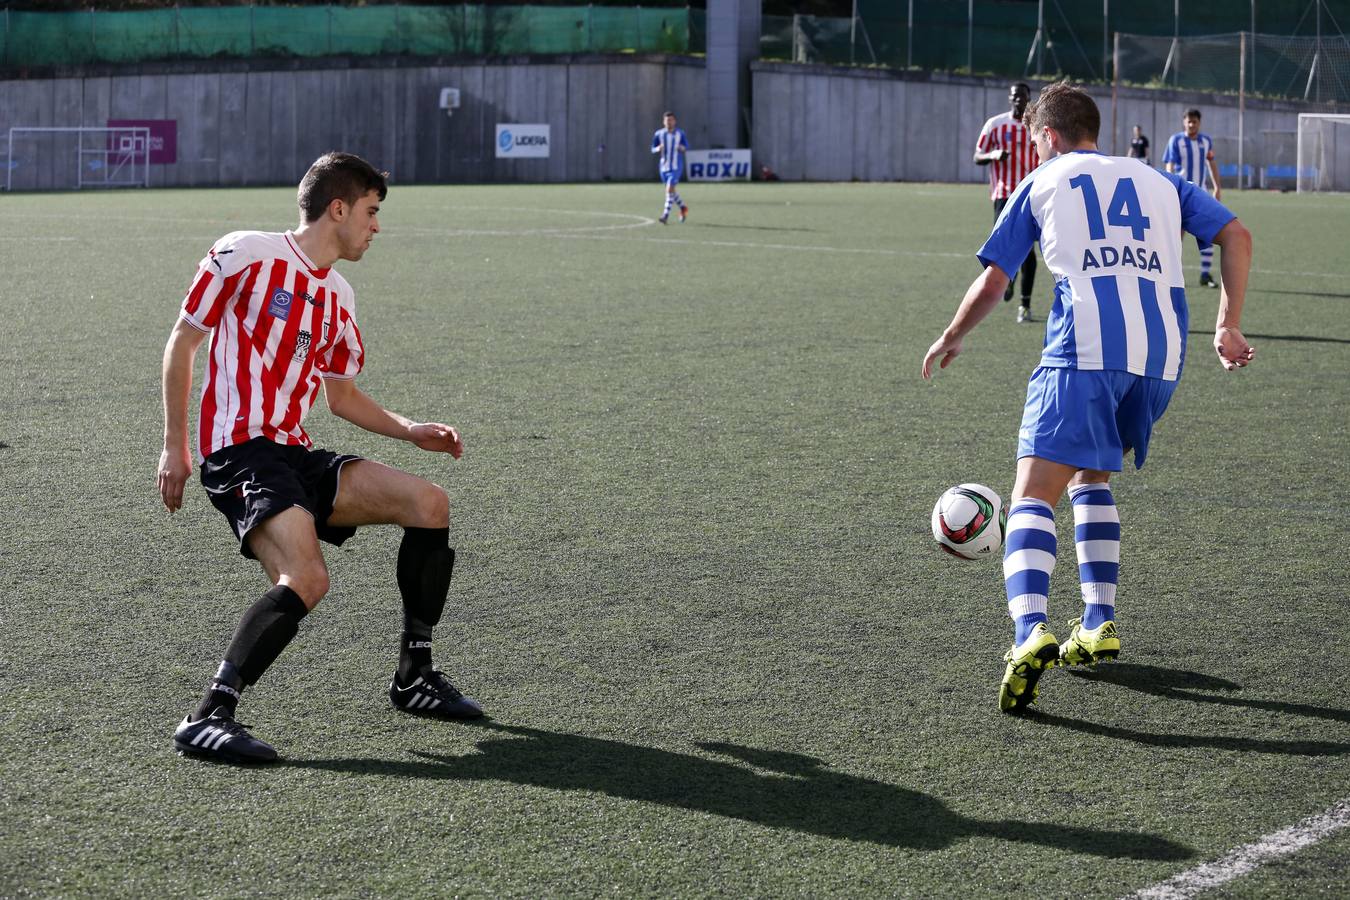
[
  {"x": 840, "y": 124},
  {"x": 243, "y": 127}
]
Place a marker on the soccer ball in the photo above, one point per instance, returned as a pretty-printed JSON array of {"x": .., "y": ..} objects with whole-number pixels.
[{"x": 969, "y": 521}]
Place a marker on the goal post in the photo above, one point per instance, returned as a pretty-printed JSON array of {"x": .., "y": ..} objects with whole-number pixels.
[
  {"x": 77, "y": 157},
  {"x": 1323, "y": 152}
]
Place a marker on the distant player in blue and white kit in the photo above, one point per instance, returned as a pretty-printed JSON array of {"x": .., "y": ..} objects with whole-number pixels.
[
  {"x": 1190, "y": 154},
  {"x": 1110, "y": 234},
  {"x": 671, "y": 145}
]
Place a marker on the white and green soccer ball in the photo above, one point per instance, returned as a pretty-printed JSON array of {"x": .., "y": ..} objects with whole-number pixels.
[{"x": 969, "y": 521}]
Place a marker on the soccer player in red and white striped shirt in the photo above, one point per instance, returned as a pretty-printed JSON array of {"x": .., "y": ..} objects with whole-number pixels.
[
  {"x": 1006, "y": 148},
  {"x": 281, "y": 324}
]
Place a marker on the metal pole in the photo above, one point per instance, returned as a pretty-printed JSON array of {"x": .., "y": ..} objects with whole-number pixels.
[
  {"x": 1317, "y": 54},
  {"x": 1115, "y": 83},
  {"x": 1040, "y": 33},
  {"x": 9, "y": 154},
  {"x": 970, "y": 36},
  {"x": 1298, "y": 156},
  {"x": 1176, "y": 38},
  {"x": 1242, "y": 102},
  {"x": 853, "y": 34},
  {"x": 1253, "y": 66},
  {"x": 909, "y": 38},
  {"x": 1106, "y": 34}
]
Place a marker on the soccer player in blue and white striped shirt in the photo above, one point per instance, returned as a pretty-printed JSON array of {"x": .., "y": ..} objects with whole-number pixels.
[
  {"x": 1190, "y": 154},
  {"x": 671, "y": 145},
  {"x": 1110, "y": 234}
]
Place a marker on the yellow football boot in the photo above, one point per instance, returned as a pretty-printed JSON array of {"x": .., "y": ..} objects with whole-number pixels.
[
  {"x": 1026, "y": 663},
  {"x": 1089, "y": 646}
]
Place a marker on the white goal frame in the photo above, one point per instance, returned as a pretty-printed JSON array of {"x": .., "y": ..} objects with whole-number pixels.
[
  {"x": 1309, "y": 175},
  {"x": 124, "y": 149}
]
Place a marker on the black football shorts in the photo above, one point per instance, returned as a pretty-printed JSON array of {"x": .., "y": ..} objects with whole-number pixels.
[{"x": 253, "y": 481}]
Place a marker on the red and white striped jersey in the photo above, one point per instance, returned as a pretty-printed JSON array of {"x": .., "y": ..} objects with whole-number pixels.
[
  {"x": 278, "y": 326},
  {"x": 1005, "y": 132}
]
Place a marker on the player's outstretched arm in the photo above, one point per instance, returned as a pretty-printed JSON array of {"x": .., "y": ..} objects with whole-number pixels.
[
  {"x": 1235, "y": 262},
  {"x": 175, "y": 462},
  {"x": 984, "y": 294},
  {"x": 348, "y": 401}
]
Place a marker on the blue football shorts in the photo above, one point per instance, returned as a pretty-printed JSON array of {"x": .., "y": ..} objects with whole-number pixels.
[
  {"x": 670, "y": 178},
  {"x": 1090, "y": 419}
]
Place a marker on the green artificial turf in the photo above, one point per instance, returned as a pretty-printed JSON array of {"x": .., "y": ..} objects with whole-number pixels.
[{"x": 696, "y": 589}]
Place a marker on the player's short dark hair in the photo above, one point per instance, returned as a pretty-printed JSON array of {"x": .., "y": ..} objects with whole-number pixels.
[
  {"x": 338, "y": 176},
  {"x": 667, "y": 113},
  {"x": 1192, "y": 114},
  {"x": 1067, "y": 109},
  {"x": 1020, "y": 84}
]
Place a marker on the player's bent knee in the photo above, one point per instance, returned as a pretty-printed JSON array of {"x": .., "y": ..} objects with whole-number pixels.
[
  {"x": 310, "y": 582},
  {"x": 433, "y": 507}
]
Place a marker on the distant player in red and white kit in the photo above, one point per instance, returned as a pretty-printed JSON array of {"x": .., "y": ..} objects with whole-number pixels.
[
  {"x": 282, "y": 323},
  {"x": 1006, "y": 148}
]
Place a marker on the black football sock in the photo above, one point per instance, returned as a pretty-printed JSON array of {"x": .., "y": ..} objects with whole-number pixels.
[
  {"x": 425, "y": 563},
  {"x": 1029, "y": 277},
  {"x": 224, "y": 690},
  {"x": 266, "y": 629}
]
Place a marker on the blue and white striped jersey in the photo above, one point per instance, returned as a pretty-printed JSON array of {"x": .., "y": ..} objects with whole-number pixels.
[
  {"x": 1190, "y": 156},
  {"x": 668, "y": 144},
  {"x": 1110, "y": 233}
]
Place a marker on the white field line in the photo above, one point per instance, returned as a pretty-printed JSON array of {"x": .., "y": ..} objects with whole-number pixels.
[
  {"x": 580, "y": 232},
  {"x": 1249, "y": 857}
]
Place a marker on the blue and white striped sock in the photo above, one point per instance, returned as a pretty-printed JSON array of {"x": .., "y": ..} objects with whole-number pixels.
[
  {"x": 676, "y": 197},
  {"x": 1096, "y": 532},
  {"x": 1206, "y": 260},
  {"x": 670, "y": 199},
  {"x": 1028, "y": 560}
]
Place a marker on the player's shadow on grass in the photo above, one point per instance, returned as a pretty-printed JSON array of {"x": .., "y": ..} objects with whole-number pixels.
[
  {"x": 1302, "y": 338},
  {"x": 1175, "y": 684},
  {"x": 1299, "y": 293},
  {"x": 1178, "y": 684},
  {"x": 777, "y": 789},
  {"x": 703, "y": 225}
]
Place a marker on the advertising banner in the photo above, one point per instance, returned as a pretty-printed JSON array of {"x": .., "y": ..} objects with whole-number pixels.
[
  {"x": 163, "y": 139},
  {"x": 522, "y": 141},
  {"x": 718, "y": 165}
]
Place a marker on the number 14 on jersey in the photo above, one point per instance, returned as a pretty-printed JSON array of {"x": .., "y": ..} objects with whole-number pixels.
[{"x": 1123, "y": 211}]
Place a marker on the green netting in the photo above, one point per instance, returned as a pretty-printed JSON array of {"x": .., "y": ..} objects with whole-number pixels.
[
  {"x": 555, "y": 29},
  {"x": 45, "y": 39},
  {"x": 129, "y": 37},
  {"x": 998, "y": 36},
  {"x": 211, "y": 32},
  {"x": 618, "y": 31},
  {"x": 439, "y": 30},
  {"x": 53, "y": 39},
  {"x": 663, "y": 30}
]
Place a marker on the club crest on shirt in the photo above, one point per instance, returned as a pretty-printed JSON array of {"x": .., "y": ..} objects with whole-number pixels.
[
  {"x": 302, "y": 345},
  {"x": 280, "y": 305}
]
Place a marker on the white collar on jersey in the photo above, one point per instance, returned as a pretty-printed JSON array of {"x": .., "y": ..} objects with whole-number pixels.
[{"x": 300, "y": 254}]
